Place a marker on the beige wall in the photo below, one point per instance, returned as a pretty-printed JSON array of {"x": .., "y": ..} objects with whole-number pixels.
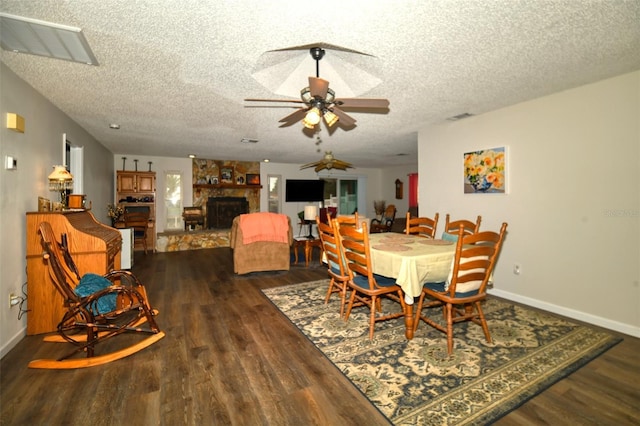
[
  {"x": 37, "y": 150},
  {"x": 573, "y": 206}
]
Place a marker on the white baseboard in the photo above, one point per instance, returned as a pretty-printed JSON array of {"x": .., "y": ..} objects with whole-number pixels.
[
  {"x": 13, "y": 341},
  {"x": 571, "y": 313}
]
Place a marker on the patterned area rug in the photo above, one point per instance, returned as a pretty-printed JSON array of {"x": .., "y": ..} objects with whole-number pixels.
[{"x": 414, "y": 382}]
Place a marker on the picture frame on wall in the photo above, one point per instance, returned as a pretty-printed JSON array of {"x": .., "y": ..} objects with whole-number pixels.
[
  {"x": 226, "y": 175},
  {"x": 239, "y": 180},
  {"x": 253, "y": 179},
  {"x": 485, "y": 171}
]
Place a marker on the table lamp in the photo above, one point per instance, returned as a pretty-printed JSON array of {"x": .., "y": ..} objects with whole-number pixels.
[
  {"x": 61, "y": 180},
  {"x": 310, "y": 213}
]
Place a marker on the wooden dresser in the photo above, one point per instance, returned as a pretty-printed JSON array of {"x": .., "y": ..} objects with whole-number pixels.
[{"x": 95, "y": 247}]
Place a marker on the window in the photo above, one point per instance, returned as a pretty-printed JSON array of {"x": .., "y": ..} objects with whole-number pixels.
[
  {"x": 274, "y": 193},
  {"x": 343, "y": 192},
  {"x": 173, "y": 200}
]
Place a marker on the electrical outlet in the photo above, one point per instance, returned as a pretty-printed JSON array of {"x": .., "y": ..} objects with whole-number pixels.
[
  {"x": 13, "y": 300},
  {"x": 517, "y": 269}
]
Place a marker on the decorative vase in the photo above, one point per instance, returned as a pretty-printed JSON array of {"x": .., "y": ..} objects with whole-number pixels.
[{"x": 481, "y": 185}]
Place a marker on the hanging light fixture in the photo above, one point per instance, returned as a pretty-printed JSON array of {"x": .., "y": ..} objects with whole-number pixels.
[
  {"x": 61, "y": 180},
  {"x": 312, "y": 118},
  {"x": 330, "y": 118}
]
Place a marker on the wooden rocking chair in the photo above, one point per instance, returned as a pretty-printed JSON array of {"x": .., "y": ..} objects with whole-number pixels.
[{"x": 98, "y": 308}]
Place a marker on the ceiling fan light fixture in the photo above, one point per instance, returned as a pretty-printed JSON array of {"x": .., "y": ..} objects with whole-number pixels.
[
  {"x": 312, "y": 118},
  {"x": 330, "y": 118},
  {"x": 305, "y": 95},
  {"x": 330, "y": 97}
]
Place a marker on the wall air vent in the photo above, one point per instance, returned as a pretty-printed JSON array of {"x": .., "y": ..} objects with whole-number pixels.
[{"x": 460, "y": 116}]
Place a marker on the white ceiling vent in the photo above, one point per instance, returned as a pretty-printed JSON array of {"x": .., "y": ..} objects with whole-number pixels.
[{"x": 25, "y": 35}]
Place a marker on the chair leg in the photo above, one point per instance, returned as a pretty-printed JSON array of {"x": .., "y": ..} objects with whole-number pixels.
[
  {"x": 343, "y": 296},
  {"x": 483, "y": 322},
  {"x": 351, "y": 300},
  {"x": 372, "y": 318},
  {"x": 449, "y": 309},
  {"x": 329, "y": 290}
]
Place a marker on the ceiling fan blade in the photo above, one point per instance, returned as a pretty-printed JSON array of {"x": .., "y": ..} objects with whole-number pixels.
[
  {"x": 343, "y": 118},
  {"x": 341, "y": 164},
  {"x": 314, "y": 164},
  {"x": 294, "y": 117},
  {"x": 318, "y": 87},
  {"x": 362, "y": 103},
  {"x": 274, "y": 100}
]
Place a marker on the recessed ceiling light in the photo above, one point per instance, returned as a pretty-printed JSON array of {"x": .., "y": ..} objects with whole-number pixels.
[
  {"x": 114, "y": 126},
  {"x": 192, "y": 156},
  {"x": 266, "y": 160}
]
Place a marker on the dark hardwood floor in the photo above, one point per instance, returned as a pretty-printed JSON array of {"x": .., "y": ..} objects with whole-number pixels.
[{"x": 231, "y": 358}]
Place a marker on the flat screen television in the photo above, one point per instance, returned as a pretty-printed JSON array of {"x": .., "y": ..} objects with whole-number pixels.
[{"x": 304, "y": 190}]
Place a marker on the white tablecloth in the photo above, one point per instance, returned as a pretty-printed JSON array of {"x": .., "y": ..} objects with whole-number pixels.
[{"x": 411, "y": 260}]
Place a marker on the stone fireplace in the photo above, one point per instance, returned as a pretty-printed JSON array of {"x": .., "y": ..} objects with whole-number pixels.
[{"x": 222, "y": 210}]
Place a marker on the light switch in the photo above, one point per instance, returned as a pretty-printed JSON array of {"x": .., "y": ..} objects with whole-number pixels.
[{"x": 10, "y": 163}]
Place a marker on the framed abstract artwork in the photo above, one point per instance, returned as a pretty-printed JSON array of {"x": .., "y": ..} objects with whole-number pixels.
[{"x": 485, "y": 171}]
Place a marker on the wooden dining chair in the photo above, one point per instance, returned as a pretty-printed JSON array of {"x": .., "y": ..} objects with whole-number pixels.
[
  {"x": 336, "y": 265},
  {"x": 97, "y": 308},
  {"x": 366, "y": 287},
  {"x": 350, "y": 220},
  {"x": 139, "y": 221},
  {"x": 461, "y": 296},
  {"x": 422, "y": 226},
  {"x": 451, "y": 227}
]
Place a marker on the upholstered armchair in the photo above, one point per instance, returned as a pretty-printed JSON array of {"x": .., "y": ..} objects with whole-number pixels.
[{"x": 261, "y": 242}]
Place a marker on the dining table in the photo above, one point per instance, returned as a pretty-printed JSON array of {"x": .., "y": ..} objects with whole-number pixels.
[{"x": 412, "y": 260}]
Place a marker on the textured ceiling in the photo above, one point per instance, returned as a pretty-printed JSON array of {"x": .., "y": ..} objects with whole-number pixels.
[{"x": 174, "y": 73}]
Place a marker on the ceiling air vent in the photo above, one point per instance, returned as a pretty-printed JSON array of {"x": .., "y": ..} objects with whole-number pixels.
[
  {"x": 247, "y": 140},
  {"x": 460, "y": 116},
  {"x": 31, "y": 36}
]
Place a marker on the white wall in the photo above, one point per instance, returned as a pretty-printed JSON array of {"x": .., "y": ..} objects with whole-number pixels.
[
  {"x": 37, "y": 150},
  {"x": 388, "y": 187},
  {"x": 292, "y": 171},
  {"x": 573, "y": 206}
]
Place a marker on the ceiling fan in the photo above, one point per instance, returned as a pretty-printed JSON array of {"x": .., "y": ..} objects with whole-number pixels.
[
  {"x": 328, "y": 162},
  {"x": 320, "y": 102}
]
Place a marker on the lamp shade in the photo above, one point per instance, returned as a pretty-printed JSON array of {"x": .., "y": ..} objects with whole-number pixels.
[
  {"x": 60, "y": 179},
  {"x": 330, "y": 118},
  {"x": 310, "y": 212}
]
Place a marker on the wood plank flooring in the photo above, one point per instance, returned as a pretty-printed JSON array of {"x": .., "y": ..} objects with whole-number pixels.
[{"x": 231, "y": 358}]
